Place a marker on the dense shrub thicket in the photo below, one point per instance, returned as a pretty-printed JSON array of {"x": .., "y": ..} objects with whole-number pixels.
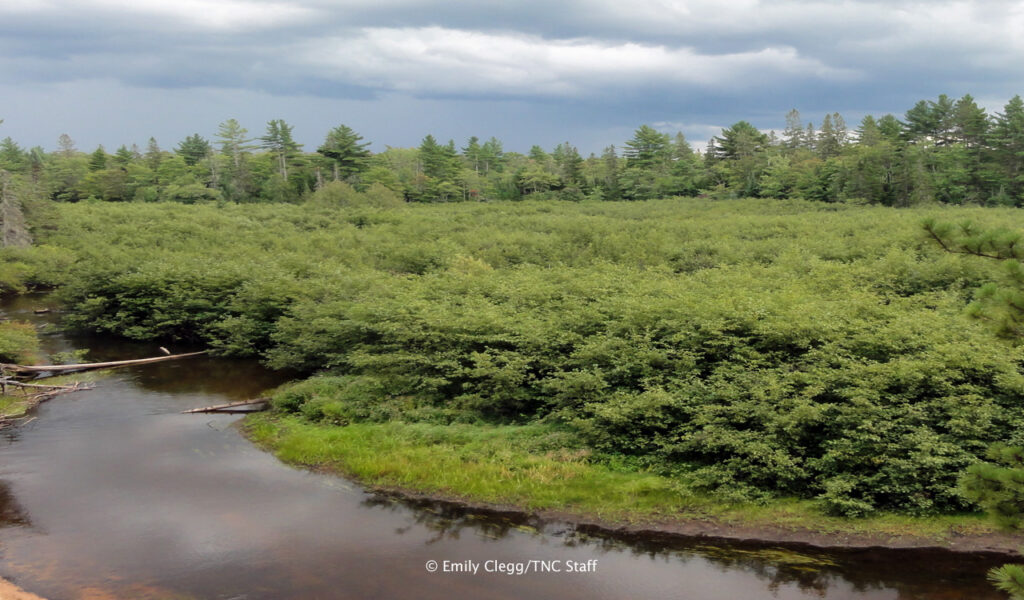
[{"x": 752, "y": 348}]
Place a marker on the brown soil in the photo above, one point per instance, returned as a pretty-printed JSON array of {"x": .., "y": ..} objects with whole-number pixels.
[
  {"x": 9, "y": 591},
  {"x": 996, "y": 543}
]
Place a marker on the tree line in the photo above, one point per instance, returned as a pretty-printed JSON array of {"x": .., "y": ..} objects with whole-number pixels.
[{"x": 948, "y": 151}]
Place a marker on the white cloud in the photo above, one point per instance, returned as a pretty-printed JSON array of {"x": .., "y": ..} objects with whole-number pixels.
[
  {"x": 440, "y": 60},
  {"x": 207, "y": 14}
]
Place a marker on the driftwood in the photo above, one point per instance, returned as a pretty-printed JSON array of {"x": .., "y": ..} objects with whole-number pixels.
[
  {"x": 102, "y": 365},
  {"x": 47, "y": 392},
  {"x": 7, "y": 381},
  {"x": 257, "y": 404}
]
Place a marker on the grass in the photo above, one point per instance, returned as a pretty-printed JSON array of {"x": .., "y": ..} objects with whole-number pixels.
[
  {"x": 523, "y": 466},
  {"x": 16, "y": 404}
]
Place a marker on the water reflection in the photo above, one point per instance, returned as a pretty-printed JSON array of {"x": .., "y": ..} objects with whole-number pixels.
[
  {"x": 11, "y": 512},
  {"x": 910, "y": 574}
]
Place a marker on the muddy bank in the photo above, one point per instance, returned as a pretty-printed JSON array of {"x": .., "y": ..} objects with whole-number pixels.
[
  {"x": 1008, "y": 545},
  {"x": 9, "y": 591}
]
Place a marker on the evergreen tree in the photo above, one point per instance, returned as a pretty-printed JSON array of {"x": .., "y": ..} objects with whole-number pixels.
[
  {"x": 538, "y": 155},
  {"x": 868, "y": 133},
  {"x": 347, "y": 152},
  {"x": 235, "y": 145},
  {"x": 740, "y": 140},
  {"x": 193, "y": 149},
  {"x": 473, "y": 153},
  {"x": 66, "y": 146},
  {"x": 648, "y": 149},
  {"x": 438, "y": 161},
  {"x": 969, "y": 123},
  {"x": 929, "y": 120},
  {"x": 743, "y": 148},
  {"x": 491, "y": 155},
  {"x": 569, "y": 165},
  {"x": 793, "y": 134},
  {"x": 36, "y": 158},
  {"x": 153, "y": 154},
  {"x": 685, "y": 169},
  {"x": 12, "y": 157},
  {"x": 98, "y": 159},
  {"x": 891, "y": 128},
  {"x": 123, "y": 156},
  {"x": 278, "y": 140},
  {"x": 610, "y": 180},
  {"x": 233, "y": 141},
  {"x": 1007, "y": 140},
  {"x": 998, "y": 486},
  {"x": 828, "y": 139}
]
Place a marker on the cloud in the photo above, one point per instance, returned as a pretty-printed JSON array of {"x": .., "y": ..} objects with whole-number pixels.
[
  {"x": 436, "y": 59},
  {"x": 159, "y": 14},
  {"x": 575, "y": 62}
]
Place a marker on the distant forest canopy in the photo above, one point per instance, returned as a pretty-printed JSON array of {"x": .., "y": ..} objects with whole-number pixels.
[{"x": 948, "y": 151}]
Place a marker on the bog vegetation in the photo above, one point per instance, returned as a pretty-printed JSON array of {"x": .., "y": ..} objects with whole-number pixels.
[
  {"x": 751, "y": 347},
  {"x": 808, "y": 340}
]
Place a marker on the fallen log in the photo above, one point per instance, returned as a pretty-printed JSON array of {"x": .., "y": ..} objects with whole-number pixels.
[
  {"x": 230, "y": 406},
  {"x": 30, "y": 402},
  {"x": 6, "y": 381},
  {"x": 102, "y": 365}
]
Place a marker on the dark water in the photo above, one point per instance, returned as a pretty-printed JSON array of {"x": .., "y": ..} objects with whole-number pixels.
[{"x": 111, "y": 493}]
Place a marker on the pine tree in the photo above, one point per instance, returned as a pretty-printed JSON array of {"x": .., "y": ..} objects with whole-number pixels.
[
  {"x": 278, "y": 140},
  {"x": 193, "y": 149},
  {"x": 648, "y": 149},
  {"x": 348, "y": 153},
  {"x": 123, "y": 156},
  {"x": 98, "y": 159},
  {"x": 473, "y": 153},
  {"x": 569, "y": 164},
  {"x": 1007, "y": 140},
  {"x": 233, "y": 141},
  {"x": 868, "y": 133},
  {"x": 828, "y": 141},
  {"x": 492, "y": 155},
  {"x": 12, "y": 157},
  {"x": 998, "y": 486},
  {"x": 610, "y": 180},
  {"x": 793, "y": 134},
  {"x": 153, "y": 155},
  {"x": 66, "y": 146},
  {"x": 236, "y": 146}
]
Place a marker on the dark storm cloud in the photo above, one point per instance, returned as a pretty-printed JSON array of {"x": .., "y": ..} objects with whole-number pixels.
[{"x": 698, "y": 63}]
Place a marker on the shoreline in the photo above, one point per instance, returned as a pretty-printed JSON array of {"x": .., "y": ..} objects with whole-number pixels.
[
  {"x": 678, "y": 519},
  {"x": 709, "y": 530},
  {"x": 9, "y": 591}
]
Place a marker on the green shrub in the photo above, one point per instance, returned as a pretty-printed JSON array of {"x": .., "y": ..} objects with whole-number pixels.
[{"x": 755, "y": 347}]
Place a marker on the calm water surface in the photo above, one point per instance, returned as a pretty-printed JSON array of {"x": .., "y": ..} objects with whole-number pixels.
[{"x": 111, "y": 493}]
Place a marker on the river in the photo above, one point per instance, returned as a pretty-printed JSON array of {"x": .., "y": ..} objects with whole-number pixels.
[{"x": 112, "y": 493}]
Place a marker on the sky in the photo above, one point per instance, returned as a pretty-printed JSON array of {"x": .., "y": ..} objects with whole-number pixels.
[{"x": 528, "y": 72}]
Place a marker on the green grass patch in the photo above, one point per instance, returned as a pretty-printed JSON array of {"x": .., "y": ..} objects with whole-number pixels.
[
  {"x": 531, "y": 467},
  {"x": 17, "y": 402}
]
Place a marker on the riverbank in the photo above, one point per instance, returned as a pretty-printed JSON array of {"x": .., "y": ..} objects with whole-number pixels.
[
  {"x": 16, "y": 404},
  {"x": 9, "y": 591},
  {"x": 508, "y": 469}
]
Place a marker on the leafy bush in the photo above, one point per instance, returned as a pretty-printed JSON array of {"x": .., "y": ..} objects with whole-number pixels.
[
  {"x": 18, "y": 343},
  {"x": 750, "y": 346}
]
